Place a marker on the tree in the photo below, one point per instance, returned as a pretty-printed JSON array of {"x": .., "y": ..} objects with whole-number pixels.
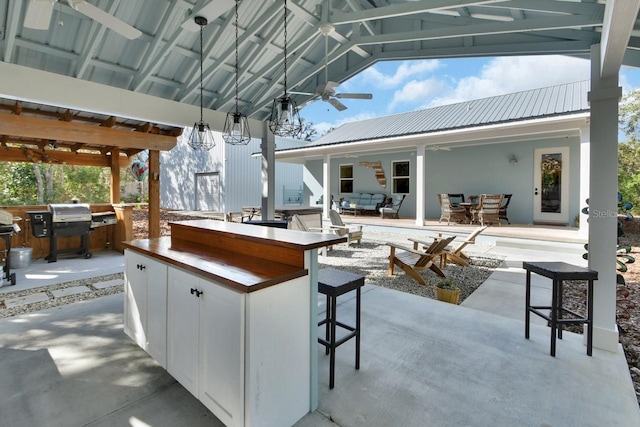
[
  {"x": 18, "y": 184},
  {"x": 308, "y": 130},
  {"x": 629, "y": 151}
]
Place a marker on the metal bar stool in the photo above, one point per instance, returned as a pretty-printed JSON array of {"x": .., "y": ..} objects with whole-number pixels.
[
  {"x": 333, "y": 283},
  {"x": 558, "y": 272}
]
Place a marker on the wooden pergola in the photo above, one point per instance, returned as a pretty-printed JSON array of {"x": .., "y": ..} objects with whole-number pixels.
[{"x": 36, "y": 133}]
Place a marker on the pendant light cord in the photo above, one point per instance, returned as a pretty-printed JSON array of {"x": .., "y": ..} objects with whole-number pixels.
[
  {"x": 201, "y": 116},
  {"x": 237, "y": 1},
  {"x": 285, "y": 47}
]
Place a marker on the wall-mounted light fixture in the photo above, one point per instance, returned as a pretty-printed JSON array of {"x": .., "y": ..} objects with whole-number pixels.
[{"x": 513, "y": 159}]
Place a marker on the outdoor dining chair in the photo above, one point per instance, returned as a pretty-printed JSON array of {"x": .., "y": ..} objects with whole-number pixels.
[
  {"x": 488, "y": 210},
  {"x": 506, "y": 198},
  {"x": 448, "y": 212}
]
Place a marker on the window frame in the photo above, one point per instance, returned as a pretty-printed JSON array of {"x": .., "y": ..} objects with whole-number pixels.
[
  {"x": 395, "y": 178},
  {"x": 341, "y": 179}
]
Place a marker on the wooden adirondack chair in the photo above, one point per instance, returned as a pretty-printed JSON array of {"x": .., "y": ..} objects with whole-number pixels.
[
  {"x": 456, "y": 255},
  {"x": 412, "y": 260},
  {"x": 353, "y": 232}
]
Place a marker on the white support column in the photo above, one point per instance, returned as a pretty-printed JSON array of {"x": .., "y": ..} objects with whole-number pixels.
[
  {"x": 585, "y": 174},
  {"x": 420, "y": 187},
  {"x": 326, "y": 185},
  {"x": 603, "y": 202},
  {"x": 268, "y": 147}
]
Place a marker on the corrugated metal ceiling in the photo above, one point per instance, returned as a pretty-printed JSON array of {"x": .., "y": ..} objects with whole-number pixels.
[{"x": 164, "y": 60}]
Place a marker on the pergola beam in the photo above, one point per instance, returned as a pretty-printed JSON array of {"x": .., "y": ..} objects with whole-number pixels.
[
  {"x": 34, "y": 155},
  {"x": 34, "y": 127}
]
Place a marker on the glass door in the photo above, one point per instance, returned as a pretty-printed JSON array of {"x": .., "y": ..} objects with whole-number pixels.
[{"x": 551, "y": 185}]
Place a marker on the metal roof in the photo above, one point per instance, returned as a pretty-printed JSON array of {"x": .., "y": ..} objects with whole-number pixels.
[
  {"x": 531, "y": 104},
  {"x": 164, "y": 60}
]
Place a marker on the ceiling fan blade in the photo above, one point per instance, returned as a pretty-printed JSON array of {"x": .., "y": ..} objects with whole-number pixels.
[
  {"x": 211, "y": 11},
  {"x": 354, "y": 95},
  {"x": 337, "y": 104},
  {"x": 38, "y": 14},
  {"x": 105, "y": 19}
]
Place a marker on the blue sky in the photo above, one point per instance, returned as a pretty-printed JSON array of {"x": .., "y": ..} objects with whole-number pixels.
[{"x": 400, "y": 86}]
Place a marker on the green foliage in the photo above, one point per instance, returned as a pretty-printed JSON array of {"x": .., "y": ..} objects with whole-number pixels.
[
  {"x": 89, "y": 184},
  {"x": 629, "y": 151},
  {"x": 447, "y": 284},
  {"x": 622, "y": 251},
  {"x": 17, "y": 184}
]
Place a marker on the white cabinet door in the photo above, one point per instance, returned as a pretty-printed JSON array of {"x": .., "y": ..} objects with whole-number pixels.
[
  {"x": 135, "y": 297},
  {"x": 222, "y": 352},
  {"x": 183, "y": 328},
  {"x": 145, "y": 304},
  {"x": 156, "y": 327}
]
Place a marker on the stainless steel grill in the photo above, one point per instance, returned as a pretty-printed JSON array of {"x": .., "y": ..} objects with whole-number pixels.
[
  {"x": 101, "y": 219},
  {"x": 69, "y": 220}
]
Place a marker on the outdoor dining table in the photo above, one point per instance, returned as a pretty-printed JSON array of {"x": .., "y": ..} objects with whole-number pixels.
[{"x": 467, "y": 207}]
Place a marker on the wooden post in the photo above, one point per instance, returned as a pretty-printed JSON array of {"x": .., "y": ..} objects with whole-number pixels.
[
  {"x": 154, "y": 194},
  {"x": 124, "y": 227},
  {"x": 115, "y": 176}
]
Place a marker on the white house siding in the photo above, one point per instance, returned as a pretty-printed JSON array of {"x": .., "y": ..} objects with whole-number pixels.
[
  {"x": 240, "y": 173},
  {"x": 468, "y": 170}
]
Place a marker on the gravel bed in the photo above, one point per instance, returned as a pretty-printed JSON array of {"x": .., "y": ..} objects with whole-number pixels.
[
  {"x": 56, "y": 302},
  {"x": 370, "y": 258}
]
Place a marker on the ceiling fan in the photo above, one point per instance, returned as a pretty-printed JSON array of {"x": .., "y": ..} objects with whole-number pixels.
[
  {"x": 39, "y": 13},
  {"x": 327, "y": 91}
]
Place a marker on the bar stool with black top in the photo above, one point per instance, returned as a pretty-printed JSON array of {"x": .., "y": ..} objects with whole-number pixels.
[
  {"x": 333, "y": 283},
  {"x": 558, "y": 272}
]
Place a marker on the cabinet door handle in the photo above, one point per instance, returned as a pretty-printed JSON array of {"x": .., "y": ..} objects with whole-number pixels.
[
  {"x": 196, "y": 292},
  {"x": 141, "y": 267}
]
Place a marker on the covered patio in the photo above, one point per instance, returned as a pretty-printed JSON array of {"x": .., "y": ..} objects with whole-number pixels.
[
  {"x": 423, "y": 362},
  {"x": 96, "y": 376}
]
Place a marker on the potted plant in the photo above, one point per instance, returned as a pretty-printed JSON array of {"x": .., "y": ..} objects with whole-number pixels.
[
  {"x": 353, "y": 204},
  {"x": 447, "y": 291}
]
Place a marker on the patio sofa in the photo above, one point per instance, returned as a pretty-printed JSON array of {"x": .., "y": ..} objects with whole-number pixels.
[{"x": 368, "y": 202}]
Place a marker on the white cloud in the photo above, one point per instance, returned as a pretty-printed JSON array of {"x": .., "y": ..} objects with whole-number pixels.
[
  {"x": 514, "y": 74},
  {"x": 415, "y": 92},
  {"x": 405, "y": 71}
]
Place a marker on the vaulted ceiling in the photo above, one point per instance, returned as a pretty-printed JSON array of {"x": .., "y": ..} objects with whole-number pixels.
[{"x": 164, "y": 60}]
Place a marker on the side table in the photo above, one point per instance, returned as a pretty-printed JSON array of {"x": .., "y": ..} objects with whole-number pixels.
[{"x": 558, "y": 272}]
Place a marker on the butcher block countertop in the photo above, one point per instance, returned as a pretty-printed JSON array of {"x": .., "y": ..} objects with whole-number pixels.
[{"x": 245, "y": 257}]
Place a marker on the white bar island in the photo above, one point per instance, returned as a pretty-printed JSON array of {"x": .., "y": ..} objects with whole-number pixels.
[{"x": 230, "y": 310}]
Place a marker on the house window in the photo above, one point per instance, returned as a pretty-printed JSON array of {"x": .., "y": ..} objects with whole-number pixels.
[
  {"x": 346, "y": 178},
  {"x": 400, "y": 178}
]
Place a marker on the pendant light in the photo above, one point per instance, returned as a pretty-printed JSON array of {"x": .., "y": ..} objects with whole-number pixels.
[
  {"x": 236, "y": 125},
  {"x": 285, "y": 119},
  {"x": 201, "y": 136}
]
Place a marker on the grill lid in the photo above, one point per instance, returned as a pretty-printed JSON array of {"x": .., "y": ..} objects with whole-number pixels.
[{"x": 72, "y": 212}]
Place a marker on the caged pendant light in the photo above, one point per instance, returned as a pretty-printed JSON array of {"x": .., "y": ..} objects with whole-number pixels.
[
  {"x": 236, "y": 125},
  {"x": 285, "y": 119},
  {"x": 201, "y": 137}
]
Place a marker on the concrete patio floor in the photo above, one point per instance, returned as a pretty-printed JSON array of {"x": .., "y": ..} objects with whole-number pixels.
[{"x": 423, "y": 362}]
